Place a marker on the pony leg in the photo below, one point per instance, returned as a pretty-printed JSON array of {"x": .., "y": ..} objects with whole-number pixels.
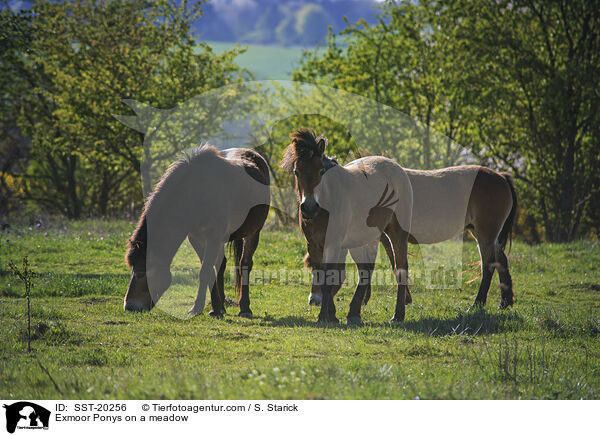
[
  {"x": 399, "y": 240},
  {"x": 331, "y": 284},
  {"x": 506, "y": 287},
  {"x": 313, "y": 260},
  {"x": 217, "y": 292},
  {"x": 315, "y": 297},
  {"x": 212, "y": 251},
  {"x": 365, "y": 262},
  {"x": 246, "y": 263},
  {"x": 318, "y": 274},
  {"x": 339, "y": 270},
  {"x": 390, "y": 253},
  {"x": 365, "y": 274},
  {"x": 488, "y": 263},
  {"x": 334, "y": 275}
]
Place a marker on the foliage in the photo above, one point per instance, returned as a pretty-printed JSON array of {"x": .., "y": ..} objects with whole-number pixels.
[
  {"x": 534, "y": 67},
  {"x": 396, "y": 62},
  {"x": 80, "y": 60}
]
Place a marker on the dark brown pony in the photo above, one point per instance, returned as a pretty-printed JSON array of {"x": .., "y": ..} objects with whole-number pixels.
[
  {"x": 211, "y": 198},
  {"x": 339, "y": 214},
  {"x": 446, "y": 202}
]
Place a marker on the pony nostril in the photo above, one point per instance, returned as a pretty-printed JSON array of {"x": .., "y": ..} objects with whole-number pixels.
[{"x": 309, "y": 211}]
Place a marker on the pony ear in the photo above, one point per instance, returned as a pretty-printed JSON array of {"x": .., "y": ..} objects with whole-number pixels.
[{"x": 321, "y": 145}]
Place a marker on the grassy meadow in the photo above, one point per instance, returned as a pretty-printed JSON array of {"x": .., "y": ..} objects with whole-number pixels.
[{"x": 85, "y": 346}]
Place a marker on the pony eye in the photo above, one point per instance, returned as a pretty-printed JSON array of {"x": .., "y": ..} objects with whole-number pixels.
[
  {"x": 296, "y": 173},
  {"x": 322, "y": 171}
]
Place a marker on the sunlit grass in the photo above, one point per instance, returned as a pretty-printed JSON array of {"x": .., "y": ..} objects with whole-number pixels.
[{"x": 546, "y": 346}]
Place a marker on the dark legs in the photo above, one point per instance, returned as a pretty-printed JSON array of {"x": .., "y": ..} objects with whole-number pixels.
[
  {"x": 327, "y": 313},
  {"x": 365, "y": 273},
  {"x": 217, "y": 293},
  {"x": 331, "y": 280},
  {"x": 244, "y": 251},
  {"x": 493, "y": 257},
  {"x": 488, "y": 264},
  {"x": 334, "y": 274},
  {"x": 399, "y": 240},
  {"x": 487, "y": 251},
  {"x": 506, "y": 290},
  {"x": 243, "y": 274},
  {"x": 390, "y": 253},
  {"x": 364, "y": 257}
]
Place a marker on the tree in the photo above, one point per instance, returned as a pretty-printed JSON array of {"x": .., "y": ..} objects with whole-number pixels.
[
  {"x": 15, "y": 38},
  {"x": 83, "y": 59},
  {"x": 534, "y": 70},
  {"x": 397, "y": 62}
]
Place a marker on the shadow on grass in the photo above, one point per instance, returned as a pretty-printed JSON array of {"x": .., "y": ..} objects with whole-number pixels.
[
  {"x": 471, "y": 323},
  {"x": 474, "y": 322},
  {"x": 292, "y": 321},
  {"x": 584, "y": 287}
]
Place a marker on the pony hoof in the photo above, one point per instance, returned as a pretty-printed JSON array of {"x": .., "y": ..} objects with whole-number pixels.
[
  {"x": 314, "y": 301},
  {"x": 326, "y": 321},
  {"x": 353, "y": 321},
  {"x": 505, "y": 304},
  {"x": 247, "y": 314},
  {"x": 396, "y": 321},
  {"x": 194, "y": 311},
  {"x": 215, "y": 314},
  {"x": 476, "y": 307}
]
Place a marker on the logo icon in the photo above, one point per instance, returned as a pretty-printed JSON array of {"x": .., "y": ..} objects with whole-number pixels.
[{"x": 26, "y": 415}]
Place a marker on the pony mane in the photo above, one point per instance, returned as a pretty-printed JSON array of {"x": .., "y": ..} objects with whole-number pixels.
[
  {"x": 136, "y": 250},
  {"x": 172, "y": 177},
  {"x": 304, "y": 145}
]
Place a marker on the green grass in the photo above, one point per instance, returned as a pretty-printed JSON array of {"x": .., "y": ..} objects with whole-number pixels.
[
  {"x": 86, "y": 346},
  {"x": 264, "y": 61}
]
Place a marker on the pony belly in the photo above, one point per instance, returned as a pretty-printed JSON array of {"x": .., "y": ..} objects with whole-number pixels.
[
  {"x": 360, "y": 236},
  {"x": 434, "y": 233}
]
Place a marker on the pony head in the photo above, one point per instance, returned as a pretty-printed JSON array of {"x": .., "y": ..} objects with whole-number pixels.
[
  {"x": 138, "y": 296},
  {"x": 304, "y": 157},
  {"x": 149, "y": 277}
]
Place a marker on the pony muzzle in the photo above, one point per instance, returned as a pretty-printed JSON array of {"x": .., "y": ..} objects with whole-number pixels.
[
  {"x": 138, "y": 297},
  {"x": 309, "y": 207}
]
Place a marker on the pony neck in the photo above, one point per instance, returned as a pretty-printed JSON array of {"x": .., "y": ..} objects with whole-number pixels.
[{"x": 166, "y": 231}]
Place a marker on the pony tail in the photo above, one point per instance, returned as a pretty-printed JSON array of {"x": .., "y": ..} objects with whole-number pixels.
[
  {"x": 238, "y": 248},
  {"x": 506, "y": 232}
]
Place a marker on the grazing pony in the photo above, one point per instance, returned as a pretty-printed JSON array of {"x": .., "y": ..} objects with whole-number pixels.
[
  {"x": 211, "y": 198},
  {"x": 449, "y": 201},
  {"x": 355, "y": 219}
]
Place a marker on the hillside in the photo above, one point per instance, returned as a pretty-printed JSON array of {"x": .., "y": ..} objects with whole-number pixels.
[{"x": 264, "y": 61}]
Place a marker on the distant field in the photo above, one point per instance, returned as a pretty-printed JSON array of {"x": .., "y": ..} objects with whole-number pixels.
[
  {"x": 545, "y": 347},
  {"x": 265, "y": 61}
]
